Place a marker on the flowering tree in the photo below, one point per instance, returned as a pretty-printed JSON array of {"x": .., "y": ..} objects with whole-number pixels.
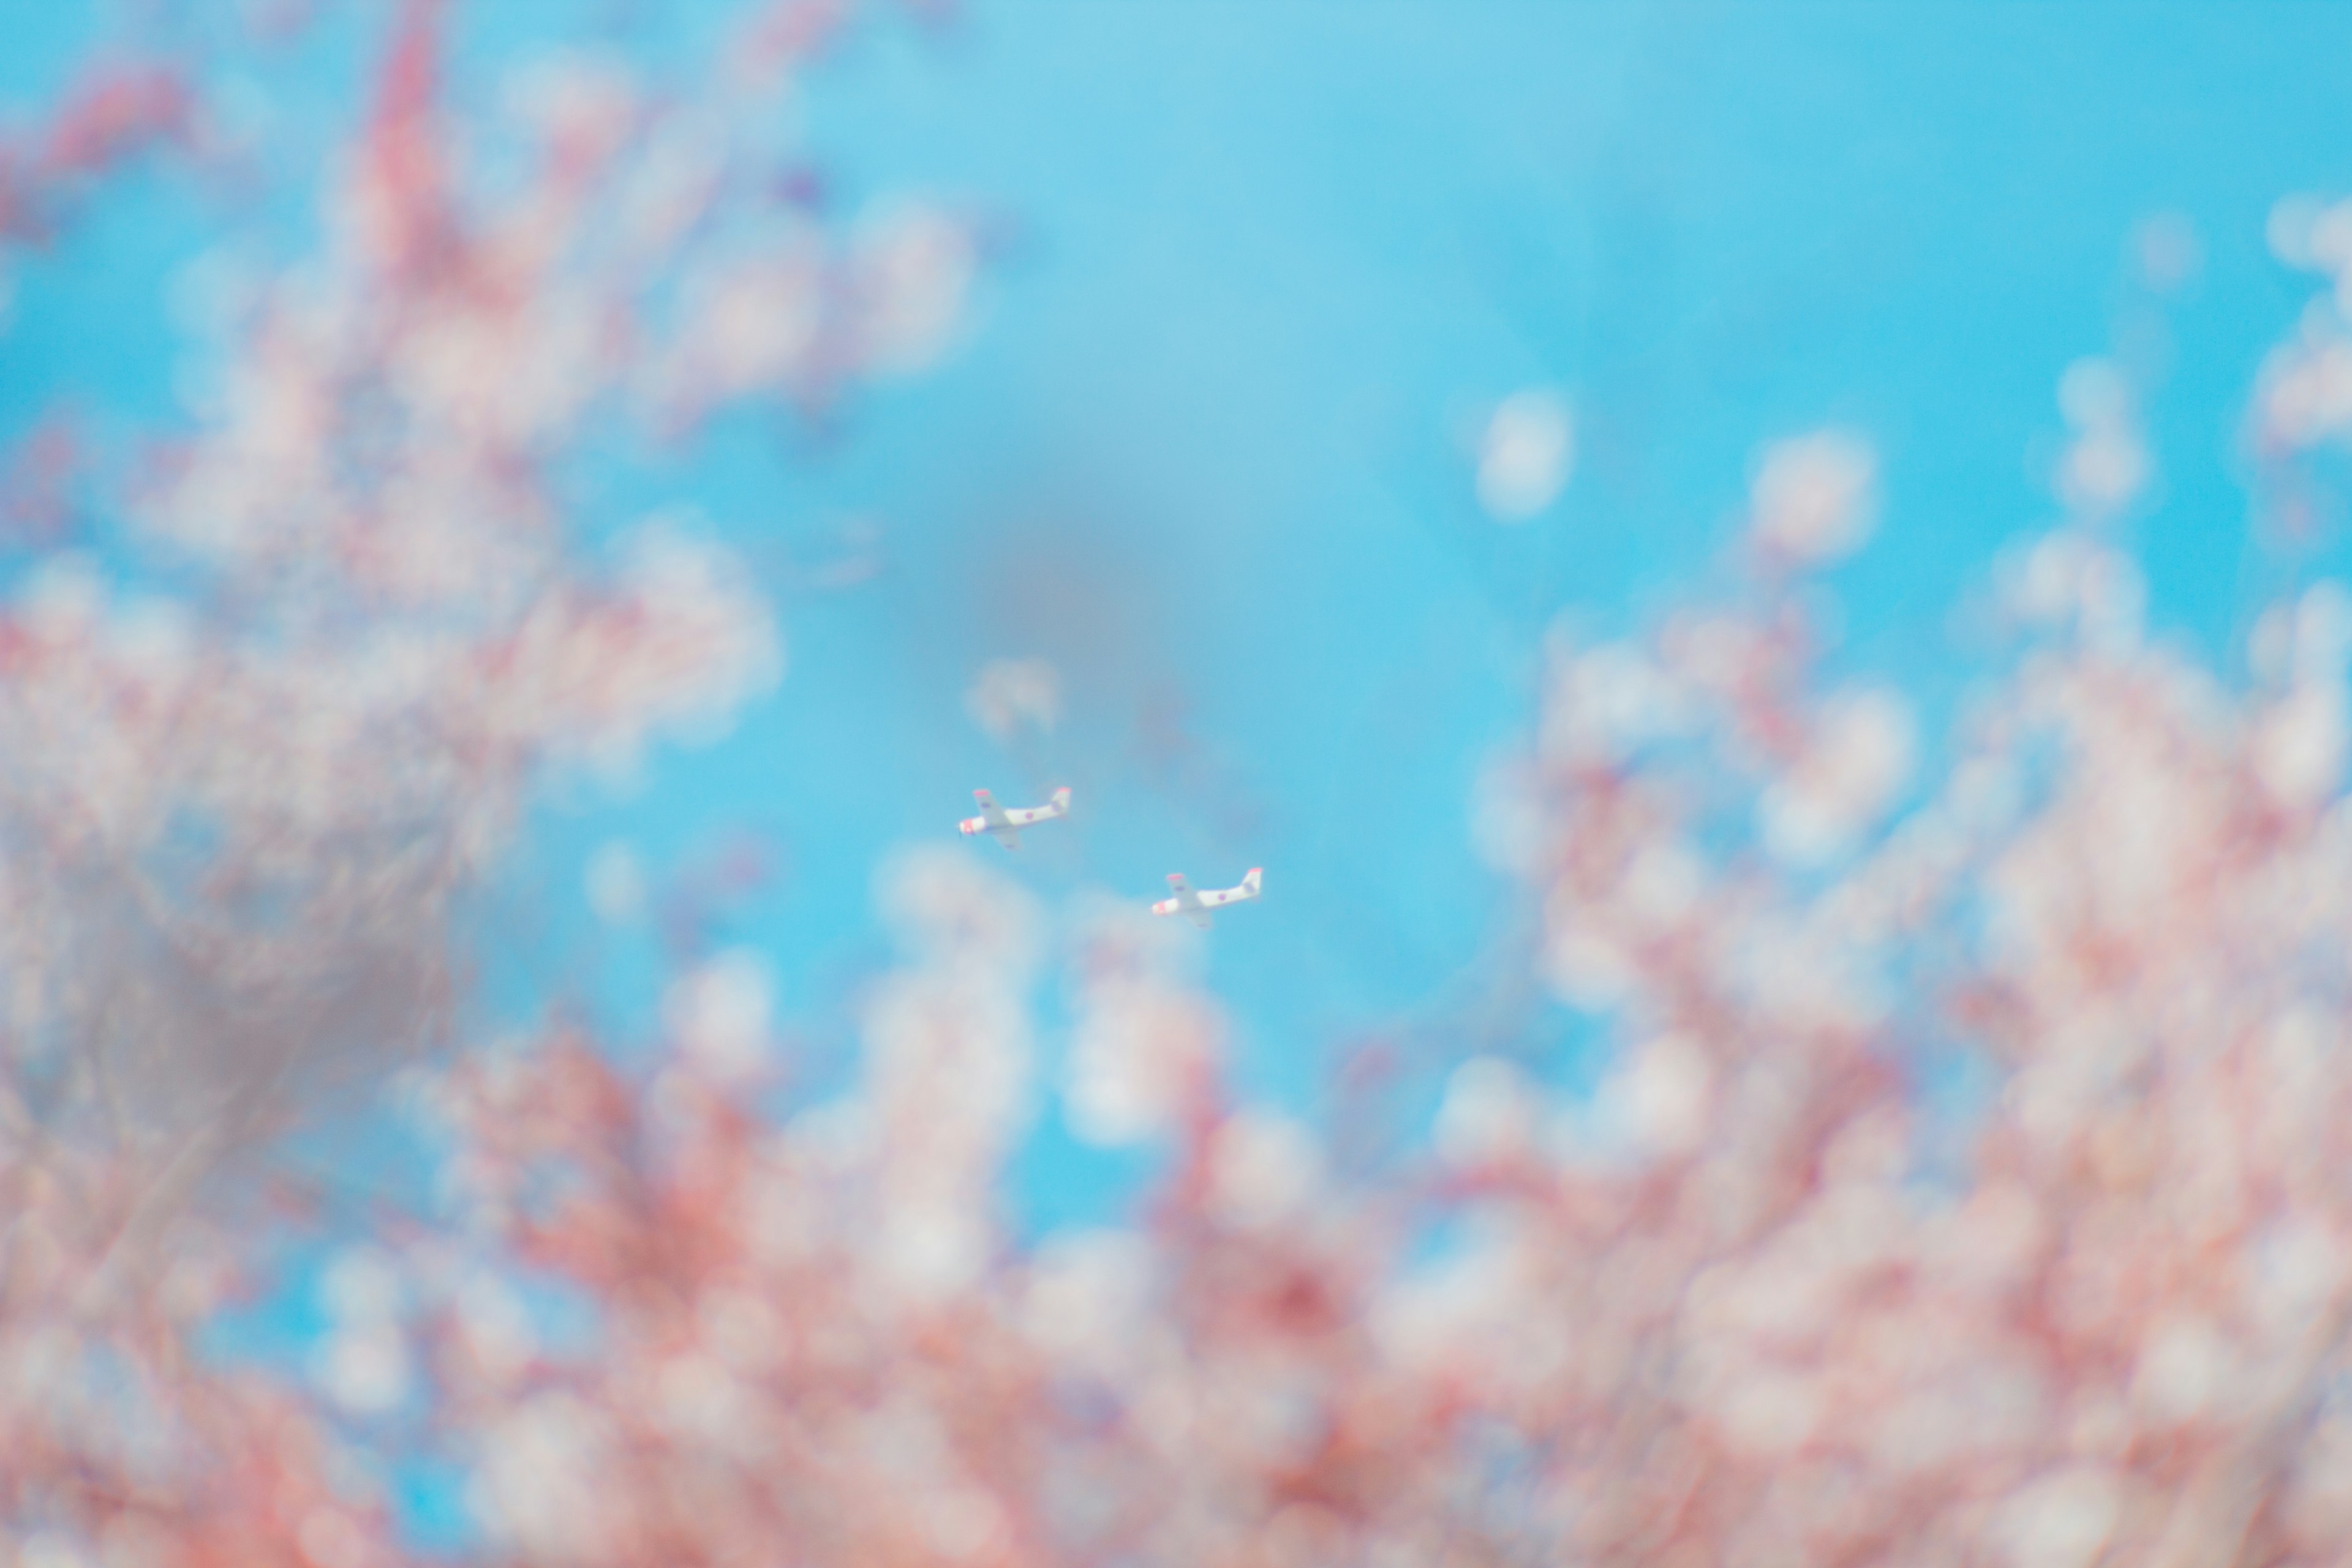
[{"x": 1767, "y": 1295}]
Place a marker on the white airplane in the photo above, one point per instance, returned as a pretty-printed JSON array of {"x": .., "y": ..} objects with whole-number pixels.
[
  {"x": 1005, "y": 825},
  {"x": 1195, "y": 907}
]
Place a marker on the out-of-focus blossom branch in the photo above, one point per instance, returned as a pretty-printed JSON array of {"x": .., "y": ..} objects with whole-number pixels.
[
  {"x": 112, "y": 116},
  {"x": 260, "y": 745},
  {"x": 284, "y": 776}
]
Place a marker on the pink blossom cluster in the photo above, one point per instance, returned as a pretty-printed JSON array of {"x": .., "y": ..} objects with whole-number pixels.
[
  {"x": 120, "y": 1443},
  {"x": 2110, "y": 1329},
  {"x": 257, "y": 753},
  {"x": 108, "y": 119},
  {"x": 264, "y": 734}
]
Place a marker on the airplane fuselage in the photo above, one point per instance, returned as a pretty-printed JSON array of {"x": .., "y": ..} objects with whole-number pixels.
[
  {"x": 1194, "y": 904},
  {"x": 1005, "y": 825}
]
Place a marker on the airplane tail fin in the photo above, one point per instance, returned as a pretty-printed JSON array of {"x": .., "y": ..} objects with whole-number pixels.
[
  {"x": 1062, "y": 800},
  {"x": 1250, "y": 881}
]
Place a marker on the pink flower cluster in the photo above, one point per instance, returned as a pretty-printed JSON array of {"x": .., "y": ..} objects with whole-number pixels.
[
  {"x": 112, "y": 116},
  {"x": 259, "y": 745}
]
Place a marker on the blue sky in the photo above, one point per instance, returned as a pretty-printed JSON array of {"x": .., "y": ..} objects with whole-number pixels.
[{"x": 1201, "y": 444}]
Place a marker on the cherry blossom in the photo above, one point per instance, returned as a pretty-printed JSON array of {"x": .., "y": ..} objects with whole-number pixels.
[{"x": 1958, "y": 1180}]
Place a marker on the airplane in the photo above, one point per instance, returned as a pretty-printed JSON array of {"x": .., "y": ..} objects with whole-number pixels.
[
  {"x": 1005, "y": 825},
  {"x": 1195, "y": 907}
]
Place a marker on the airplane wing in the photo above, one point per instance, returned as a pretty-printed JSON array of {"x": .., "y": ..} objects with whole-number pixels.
[
  {"x": 993, "y": 821},
  {"x": 1186, "y": 902},
  {"x": 1000, "y": 823}
]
